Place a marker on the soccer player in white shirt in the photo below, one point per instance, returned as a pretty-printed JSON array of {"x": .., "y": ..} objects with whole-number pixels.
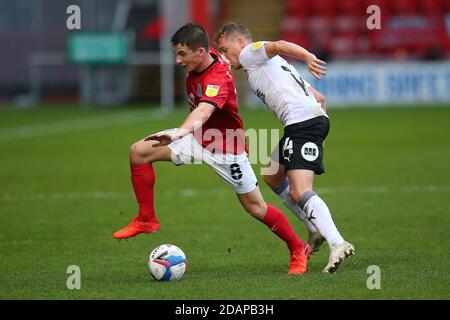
[{"x": 302, "y": 110}]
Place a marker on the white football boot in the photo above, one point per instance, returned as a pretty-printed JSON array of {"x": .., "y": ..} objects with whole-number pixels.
[
  {"x": 338, "y": 254},
  {"x": 315, "y": 240}
]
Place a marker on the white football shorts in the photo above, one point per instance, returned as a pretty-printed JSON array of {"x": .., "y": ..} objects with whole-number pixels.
[{"x": 235, "y": 170}]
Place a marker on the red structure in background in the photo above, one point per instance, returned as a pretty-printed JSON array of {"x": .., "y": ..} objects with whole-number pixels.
[
  {"x": 337, "y": 29},
  {"x": 154, "y": 29},
  {"x": 201, "y": 14}
]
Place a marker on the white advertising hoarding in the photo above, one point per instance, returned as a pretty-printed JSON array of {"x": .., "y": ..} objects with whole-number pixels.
[{"x": 382, "y": 83}]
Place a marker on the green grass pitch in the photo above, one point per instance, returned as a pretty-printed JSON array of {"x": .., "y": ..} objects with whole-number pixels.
[{"x": 65, "y": 188}]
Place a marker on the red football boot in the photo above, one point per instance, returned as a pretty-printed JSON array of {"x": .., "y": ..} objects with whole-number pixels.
[
  {"x": 135, "y": 227},
  {"x": 299, "y": 260}
]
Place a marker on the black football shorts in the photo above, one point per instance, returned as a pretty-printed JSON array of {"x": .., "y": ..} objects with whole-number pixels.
[{"x": 302, "y": 145}]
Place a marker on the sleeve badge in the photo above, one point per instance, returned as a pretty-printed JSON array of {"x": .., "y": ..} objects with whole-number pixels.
[
  {"x": 257, "y": 45},
  {"x": 212, "y": 90}
]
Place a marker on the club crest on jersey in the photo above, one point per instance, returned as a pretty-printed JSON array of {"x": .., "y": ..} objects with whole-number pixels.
[
  {"x": 212, "y": 90},
  {"x": 199, "y": 90}
]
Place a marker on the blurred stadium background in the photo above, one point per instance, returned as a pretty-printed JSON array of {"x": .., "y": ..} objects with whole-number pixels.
[
  {"x": 122, "y": 54},
  {"x": 73, "y": 101}
]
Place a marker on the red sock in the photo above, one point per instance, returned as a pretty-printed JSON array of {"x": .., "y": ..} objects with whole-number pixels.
[
  {"x": 279, "y": 224},
  {"x": 143, "y": 179}
]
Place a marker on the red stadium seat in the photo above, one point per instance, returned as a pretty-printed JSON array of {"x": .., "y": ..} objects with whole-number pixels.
[
  {"x": 295, "y": 37},
  {"x": 323, "y": 8},
  {"x": 339, "y": 27},
  {"x": 404, "y": 7},
  {"x": 349, "y": 23},
  {"x": 446, "y": 6},
  {"x": 350, "y": 15},
  {"x": 319, "y": 24},
  {"x": 297, "y": 8},
  {"x": 350, "y": 8},
  {"x": 293, "y": 24},
  {"x": 431, "y": 8},
  {"x": 344, "y": 46}
]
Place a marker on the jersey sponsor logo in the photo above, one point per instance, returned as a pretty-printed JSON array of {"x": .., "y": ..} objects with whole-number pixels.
[
  {"x": 310, "y": 151},
  {"x": 212, "y": 90},
  {"x": 257, "y": 45}
]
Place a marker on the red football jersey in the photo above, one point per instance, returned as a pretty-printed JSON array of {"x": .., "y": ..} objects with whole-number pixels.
[{"x": 223, "y": 132}]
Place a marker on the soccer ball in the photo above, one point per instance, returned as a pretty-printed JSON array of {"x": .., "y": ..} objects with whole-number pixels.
[{"x": 167, "y": 262}]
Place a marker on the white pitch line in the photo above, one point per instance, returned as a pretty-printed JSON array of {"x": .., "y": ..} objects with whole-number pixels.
[
  {"x": 93, "y": 122},
  {"x": 404, "y": 189},
  {"x": 62, "y": 196},
  {"x": 189, "y": 193}
]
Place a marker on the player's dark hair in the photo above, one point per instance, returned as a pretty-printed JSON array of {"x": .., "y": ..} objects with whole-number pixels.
[
  {"x": 233, "y": 28},
  {"x": 192, "y": 35}
]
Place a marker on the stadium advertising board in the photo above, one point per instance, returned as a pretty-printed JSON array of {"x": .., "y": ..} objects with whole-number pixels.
[{"x": 366, "y": 83}]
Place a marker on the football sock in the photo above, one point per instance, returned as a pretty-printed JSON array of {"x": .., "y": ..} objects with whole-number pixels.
[
  {"x": 282, "y": 190},
  {"x": 279, "y": 224},
  {"x": 143, "y": 180},
  {"x": 318, "y": 212}
]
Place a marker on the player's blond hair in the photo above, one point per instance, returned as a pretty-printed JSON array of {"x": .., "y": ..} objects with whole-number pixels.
[{"x": 233, "y": 28}]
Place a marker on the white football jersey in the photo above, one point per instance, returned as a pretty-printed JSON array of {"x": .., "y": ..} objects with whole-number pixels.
[{"x": 279, "y": 85}]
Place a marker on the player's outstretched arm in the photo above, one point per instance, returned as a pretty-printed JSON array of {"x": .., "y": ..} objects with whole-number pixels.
[
  {"x": 194, "y": 121},
  {"x": 315, "y": 66}
]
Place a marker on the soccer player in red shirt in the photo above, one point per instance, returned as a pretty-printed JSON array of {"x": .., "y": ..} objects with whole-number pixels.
[{"x": 213, "y": 134}]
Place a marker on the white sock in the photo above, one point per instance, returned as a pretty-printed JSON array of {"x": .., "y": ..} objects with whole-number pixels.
[
  {"x": 318, "y": 212},
  {"x": 283, "y": 192}
]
